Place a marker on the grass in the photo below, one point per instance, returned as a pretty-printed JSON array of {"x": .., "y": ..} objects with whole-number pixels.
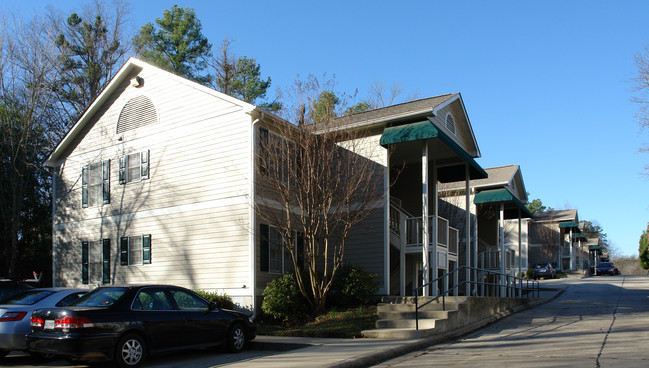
[{"x": 342, "y": 324}]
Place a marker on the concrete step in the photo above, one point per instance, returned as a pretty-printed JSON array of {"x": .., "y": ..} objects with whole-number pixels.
[
  {"x": 405, "y": 323},
  {"x": 412, "y": 314},
  {"x": 397, "y": 333}
]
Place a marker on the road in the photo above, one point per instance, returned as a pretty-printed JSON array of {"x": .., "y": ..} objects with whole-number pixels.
[{"x": 596, "y": 322}]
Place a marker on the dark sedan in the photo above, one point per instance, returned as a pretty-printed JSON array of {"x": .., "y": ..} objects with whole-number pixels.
[
  {"x": 126, "y": 323},
  {"x": 544, "y": 270},
  {"x": 606, "y": 268}
]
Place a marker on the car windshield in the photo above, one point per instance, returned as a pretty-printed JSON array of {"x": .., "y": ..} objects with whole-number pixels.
[
  {"x": 100, "y": 297},
  {"x": 605, "y": 264},
  {"x": 28, "y": 297},
  {"x": 541, "y": 265}
]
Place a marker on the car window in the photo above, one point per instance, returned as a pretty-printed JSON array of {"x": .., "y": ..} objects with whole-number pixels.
[
  {"x": 152, "y": 299},
  {"x": 187, "y": 301},
  {"x": 70, "y": 298},
  {"x": 100, "y": 297},
  {"x": 28, "y": 297}
]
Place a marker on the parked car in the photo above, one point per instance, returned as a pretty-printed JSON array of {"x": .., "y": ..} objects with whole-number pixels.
[
  {"x": 16, "y": 311},
  {"x": 10, "y": 287},
  {"x": 606, "y": 268},
  {"x": 544, "y": 270},
  {"x": 127, "y": 323}
]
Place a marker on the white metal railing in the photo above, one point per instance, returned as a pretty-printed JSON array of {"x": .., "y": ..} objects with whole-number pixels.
[
  {"x": 491, "y": 258},
  {"x": 447, "y": 237}
]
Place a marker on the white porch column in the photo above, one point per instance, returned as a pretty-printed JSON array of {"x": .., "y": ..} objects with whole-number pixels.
[
  {"x": 434, "y": 228},
  {"x": 501, "y": 243},
  {"x": 520, "y": 250},
  {"x": 402, "y": 259},
  {"x": 424, "y": 215},
  {"x": 467, "y": 228},
  {"x": 571, "y": 254}
]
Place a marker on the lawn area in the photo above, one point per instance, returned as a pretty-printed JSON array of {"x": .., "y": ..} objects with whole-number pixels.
[{"x": 343, "y": 324}]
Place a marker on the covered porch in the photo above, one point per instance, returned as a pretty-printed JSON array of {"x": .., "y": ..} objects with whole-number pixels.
[{"x": 423, "y": 244}]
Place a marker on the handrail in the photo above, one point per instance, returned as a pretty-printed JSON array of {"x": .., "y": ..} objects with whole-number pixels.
[{"x": 509, "y": 287}]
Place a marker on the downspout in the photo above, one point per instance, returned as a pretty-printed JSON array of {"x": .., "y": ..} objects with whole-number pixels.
[
  {"x": 53, "y": 172},
  {"x": 253, "y": 217}
]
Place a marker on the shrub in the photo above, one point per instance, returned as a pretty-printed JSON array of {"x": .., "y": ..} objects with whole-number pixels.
[
  {"x": 221, "y": 300},
  {"x": 530, "y": 273},
  {"x": 353, "y": 286},
  {"x": 283, "y": 300}
]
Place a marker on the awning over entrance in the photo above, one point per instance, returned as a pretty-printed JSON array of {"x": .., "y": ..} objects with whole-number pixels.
[
  {"x": 427, "y": 130},
  {"x": 570, "y": 224},
  {"x": 499, "y": 195}
]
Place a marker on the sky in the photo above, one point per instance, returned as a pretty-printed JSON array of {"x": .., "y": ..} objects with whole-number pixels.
[{"x": 547, "y": 85}]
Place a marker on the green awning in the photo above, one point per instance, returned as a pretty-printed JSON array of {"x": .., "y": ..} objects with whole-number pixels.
[
  {"x": 501, "y": 195},
  {"x": 568, "y": 224},
  {"x": 580, "y": 235},
  {"x": 427, "y": 130},
  {"x": 593, "y": 247}
]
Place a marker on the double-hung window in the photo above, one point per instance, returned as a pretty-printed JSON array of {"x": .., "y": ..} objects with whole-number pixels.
[
  {"x": 95, "y": 262},
  {"x": 95, "y": 184},
  {"x": 134, "y": 167},
  {"x": 275, "y": 257},
  {"x": 135, "y": 250},
  {"x": 277, "y": 153}
]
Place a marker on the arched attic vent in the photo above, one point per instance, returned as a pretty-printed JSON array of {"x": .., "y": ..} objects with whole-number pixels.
[
  {"x": 138, "y": 112},
  {"x": 450, "y": 123}
]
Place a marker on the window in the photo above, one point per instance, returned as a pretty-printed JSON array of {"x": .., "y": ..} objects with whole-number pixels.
[
  {"x": 275, "y": 257},
  {"x": 134, "y": 167},
  {"x": 95, "y": 262},
  {"x": 135, "y": 250},
  {"x": 152, "y": 299},
  {"x": 450, "y": 123},
  {"x": 189, "y": 302},
  {"x": 276, "y": 154},
  {"x": 95, "y": 184}
]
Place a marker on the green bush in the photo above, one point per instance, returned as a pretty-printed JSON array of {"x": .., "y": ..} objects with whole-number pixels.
[
  {"x": 530, "y": 273},
  {"x": 283, "y": 300},
  {"x": 221, "y": 300},
  {"x": 352, "y": 287}
]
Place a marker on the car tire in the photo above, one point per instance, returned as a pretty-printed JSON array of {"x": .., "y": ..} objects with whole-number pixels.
[
  {"x": 236, "y": 338},
  {"x": 130, "y": 351}
]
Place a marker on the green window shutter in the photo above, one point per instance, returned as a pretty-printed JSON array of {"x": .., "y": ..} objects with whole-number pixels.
[
  {"x": 105, "y": 261},
  {"x": 123, "y": 251},
  {"x": 264, "y": 255},
  {"x": 105, "y": 170},
  {"x": 122, "y": 170},
  {"x": 146, "y": 249},
  {"x": 84, "y": 262},
  {"x": 144, "y": 160},
  {"x": 84, "y": 186}
]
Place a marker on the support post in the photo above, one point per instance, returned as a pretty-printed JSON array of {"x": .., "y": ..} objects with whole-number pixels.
[
  {"x": 467, "y": 228},
  {"x": 424, "y": 216}
]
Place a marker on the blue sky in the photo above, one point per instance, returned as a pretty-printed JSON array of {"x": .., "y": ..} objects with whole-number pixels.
[{"x": 546, "y": 84}]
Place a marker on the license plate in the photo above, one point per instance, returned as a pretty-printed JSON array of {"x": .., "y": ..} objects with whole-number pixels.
[{"x": 49, "y": 325}]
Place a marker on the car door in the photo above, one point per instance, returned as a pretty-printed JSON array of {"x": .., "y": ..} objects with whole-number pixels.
[
  {"x": 204, "y": 325},
  {"x": 162, "y": 322}
]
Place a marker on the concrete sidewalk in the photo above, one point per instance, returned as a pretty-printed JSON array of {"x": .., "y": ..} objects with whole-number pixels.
[{"x": 347, "y": 353}]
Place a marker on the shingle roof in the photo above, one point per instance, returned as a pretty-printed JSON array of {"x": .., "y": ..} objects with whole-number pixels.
[
  {"x": 556, "y": 216},
  {"x": 421, "y": 107},
  {"x": 497, "y": 176}
]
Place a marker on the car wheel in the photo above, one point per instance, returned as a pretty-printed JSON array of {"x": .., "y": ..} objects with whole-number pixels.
[
  {"x": 236, "y": 338},
  {"x": 130, "y": 351}
]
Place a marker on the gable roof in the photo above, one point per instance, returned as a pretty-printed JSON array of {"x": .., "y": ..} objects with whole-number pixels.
[
  {"x": 132, "y": 65},
  {"x": 407, "y": 112},
  {"x": 503, "y": 176}
]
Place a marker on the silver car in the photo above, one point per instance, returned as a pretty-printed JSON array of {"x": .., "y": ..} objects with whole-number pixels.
[{"x": 16, "y": 311}]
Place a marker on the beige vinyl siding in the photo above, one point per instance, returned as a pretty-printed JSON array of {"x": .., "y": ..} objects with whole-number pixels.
[
  {"x": 195, "y": 203},
  {"x": 462, "y": 134}
]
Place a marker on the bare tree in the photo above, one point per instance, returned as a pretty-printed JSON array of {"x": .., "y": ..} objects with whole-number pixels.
[
  {"x": 641, "y": 87},
  {"x": 26, "y": 70},
  {"x": 224, "y": 66},
  {"x": 318, "y": 184},
  {"x": 380, "y": 96}
]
